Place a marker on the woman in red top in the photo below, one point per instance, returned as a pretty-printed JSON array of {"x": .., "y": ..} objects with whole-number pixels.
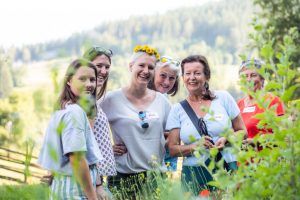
[{"x": 248, "y": 106}]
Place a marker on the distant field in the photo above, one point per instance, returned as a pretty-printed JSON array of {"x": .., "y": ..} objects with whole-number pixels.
[{"x": 39, "y": 74}]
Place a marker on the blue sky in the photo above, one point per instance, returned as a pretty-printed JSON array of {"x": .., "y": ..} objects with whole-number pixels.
[{"x": 32, "y": 21}]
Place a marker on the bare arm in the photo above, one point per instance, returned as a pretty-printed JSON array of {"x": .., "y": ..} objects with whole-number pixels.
[
  {"x": 176, "y": 149},
  {"x": 238, "y": 127},
  {"x": 102, "y": 194},
  {"x": 82, "y": 174}
]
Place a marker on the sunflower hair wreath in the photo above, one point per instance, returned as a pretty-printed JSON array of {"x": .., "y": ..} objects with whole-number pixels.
[{"x": 147, "y": 49}]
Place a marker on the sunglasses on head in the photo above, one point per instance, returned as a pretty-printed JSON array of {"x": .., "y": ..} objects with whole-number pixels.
[
  {"x": 251, "y": 63},
  {"x": 142, "y": 116},
  {"x": 96, "y": 50},
  {"x": 165, "y": 59}
]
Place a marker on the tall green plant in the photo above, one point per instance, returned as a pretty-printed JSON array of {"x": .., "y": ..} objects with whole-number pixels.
[
  {"x": 274, "y": 20},
  {"x": 273, "y": 172},
  {"x": 29, "y": 146}
]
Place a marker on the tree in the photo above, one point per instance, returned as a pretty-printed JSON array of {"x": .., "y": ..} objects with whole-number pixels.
[
  {"x": 273, "y": 22},
  {"x": 6, "y": 80}
]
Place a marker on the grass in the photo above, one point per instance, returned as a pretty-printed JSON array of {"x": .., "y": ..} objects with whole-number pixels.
[{"x": 24, "y": 192}]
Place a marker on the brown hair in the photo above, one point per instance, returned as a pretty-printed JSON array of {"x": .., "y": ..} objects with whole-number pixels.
[
  {"x": 67, "y": 95},
  {"x": 91, "y": 55},
  {"x": 208, "y": 95}
]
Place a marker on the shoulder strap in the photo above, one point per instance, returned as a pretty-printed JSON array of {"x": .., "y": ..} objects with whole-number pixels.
[{"x": 192, "y": 115}]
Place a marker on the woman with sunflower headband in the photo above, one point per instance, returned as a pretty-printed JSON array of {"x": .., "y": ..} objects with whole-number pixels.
[{"x": 137, "y": 116}]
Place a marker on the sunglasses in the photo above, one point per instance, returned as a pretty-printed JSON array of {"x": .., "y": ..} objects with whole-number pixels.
[
  {"x": 248, "y": 63},
  {"x": 203, "y": 128},
  {"x": 96, "y": 50},
  {"x": 165, "y": 59},
  {"x": 142, "y": 116}
]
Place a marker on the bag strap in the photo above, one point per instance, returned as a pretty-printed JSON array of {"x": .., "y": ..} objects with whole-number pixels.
[{"x": 192, "y": 115}]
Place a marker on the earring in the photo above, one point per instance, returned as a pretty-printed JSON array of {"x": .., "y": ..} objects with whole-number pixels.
[{"x": 206, "y": 86}]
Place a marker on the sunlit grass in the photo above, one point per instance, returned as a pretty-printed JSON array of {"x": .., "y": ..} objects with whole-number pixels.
[{"x": 24, "y": 192}]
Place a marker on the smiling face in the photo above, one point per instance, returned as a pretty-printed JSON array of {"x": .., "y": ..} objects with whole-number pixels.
[
  {"x": 142, "y": 69},
  {"x": 251, "y": 76},
  {"x": 194, "y": 77},
  {"x": 102, "y": 64},
  {"x": 83, "y": 82},
  {"x": 164, "y": 79}
]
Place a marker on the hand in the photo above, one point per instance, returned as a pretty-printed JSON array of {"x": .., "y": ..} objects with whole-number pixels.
[
  {"x": 102, "y": 194},
  {"x": 221, "y": 143},
  {"x": 119, "y": 149},
  {"x": 248, "y": 141},
  {"x": 208, "y": 142},
  {"x": 47, "y": 179}
]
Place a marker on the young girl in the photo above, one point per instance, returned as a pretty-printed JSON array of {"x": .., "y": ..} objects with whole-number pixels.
[{"x": 70, "y": 150}]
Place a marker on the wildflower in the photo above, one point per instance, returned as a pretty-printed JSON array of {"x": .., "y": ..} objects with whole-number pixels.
[
  {"x": 147, "y": 49},
  {"x": 204, "y": 193}
]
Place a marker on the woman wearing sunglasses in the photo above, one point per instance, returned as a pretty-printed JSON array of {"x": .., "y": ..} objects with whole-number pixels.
[
  {"x": 166, "y": 81},
  {"x": 137, "y": 116},
  {"x": 254, "y": 82},
  {"x": 101, "y": 58},
  {"x": 212, "y": 112}
]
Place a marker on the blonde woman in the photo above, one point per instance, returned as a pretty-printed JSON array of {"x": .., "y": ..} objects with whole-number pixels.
[
  {"x": 137, "y": 116},
  {"x": 166, "y": 81}
]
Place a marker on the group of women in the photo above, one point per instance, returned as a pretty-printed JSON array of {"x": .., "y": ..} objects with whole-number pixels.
[{"x": 148, "y": 133}]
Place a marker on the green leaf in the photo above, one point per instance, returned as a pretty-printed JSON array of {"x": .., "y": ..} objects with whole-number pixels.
[
  {"x": 214, "y": 183},
  {"x": 213, "y": 152},
  {"x": 289, "y": 92},
  {"x": 272, "y": 85},
  {"x": 258, "y": 27},
  {"x": 192, "y": 138},
  {"x": 60, "y": 128},
  {"x": 267, "y": 51}
]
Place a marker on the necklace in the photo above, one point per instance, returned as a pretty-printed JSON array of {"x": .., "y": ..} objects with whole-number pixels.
[{"x": 195, "y": 101}]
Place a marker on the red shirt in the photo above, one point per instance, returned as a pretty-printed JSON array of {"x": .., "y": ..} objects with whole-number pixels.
[{"x": 248, "y": 115}]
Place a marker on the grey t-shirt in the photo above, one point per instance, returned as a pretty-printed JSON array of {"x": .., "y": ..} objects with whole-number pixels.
[
  {"x": 68, "y": 131},
  {"x": 145, "y": 146}
]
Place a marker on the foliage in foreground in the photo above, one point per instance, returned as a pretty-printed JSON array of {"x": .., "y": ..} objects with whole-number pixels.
[
  {"x": 24, "y": 192},
  {"x": 274, "y": 172}
]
